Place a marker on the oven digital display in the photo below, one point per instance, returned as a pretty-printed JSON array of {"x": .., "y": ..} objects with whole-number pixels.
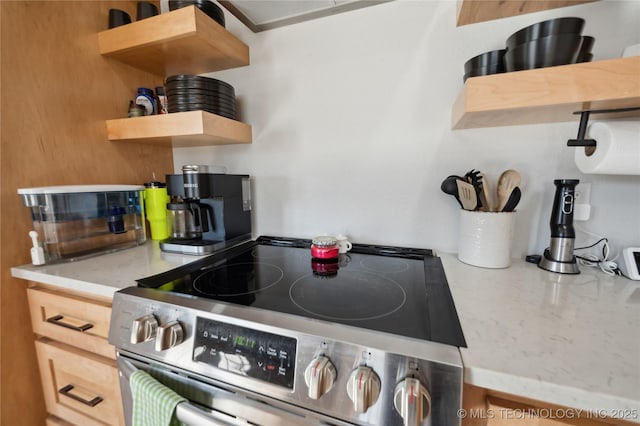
[
  {"x": 246, "y": 352},
  {"x": 244, "y": 342}
]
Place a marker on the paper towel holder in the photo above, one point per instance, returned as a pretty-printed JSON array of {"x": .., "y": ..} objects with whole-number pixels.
[{"x": 584, "y": 121}]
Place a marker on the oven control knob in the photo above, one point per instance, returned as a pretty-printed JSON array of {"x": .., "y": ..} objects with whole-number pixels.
[
  {"x": 363, "y": 387},
  {"x": 320, "y": 376},
  {"x": 143, "y": 329},
  {"x": 412, "y": 401},
  {"x": 169, "y": 335}
]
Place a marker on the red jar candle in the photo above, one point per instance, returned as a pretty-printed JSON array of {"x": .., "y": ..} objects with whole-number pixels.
[
  {"x": 324, "y": 247},
  {"x": 324, "y": 268}
]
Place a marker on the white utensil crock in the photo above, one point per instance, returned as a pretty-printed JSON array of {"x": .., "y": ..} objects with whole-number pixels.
[{"x": 486, "y": 238}]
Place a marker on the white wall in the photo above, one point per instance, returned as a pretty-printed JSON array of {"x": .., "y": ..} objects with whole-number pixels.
[{"x": 351, "y": 125}]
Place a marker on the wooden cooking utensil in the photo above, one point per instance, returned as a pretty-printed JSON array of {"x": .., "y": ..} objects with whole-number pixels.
[
  {"x": 467, "y": 195},
  {"x": 488, "y": 199},
  {"x": 509, "y": 179}
]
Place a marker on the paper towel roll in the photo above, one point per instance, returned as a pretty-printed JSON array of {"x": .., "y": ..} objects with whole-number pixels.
[{"x": 617, "y": 151}]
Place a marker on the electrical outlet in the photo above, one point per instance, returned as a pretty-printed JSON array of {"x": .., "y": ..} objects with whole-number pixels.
[
  {"x": 582, "y": 202},
  {"x": 583, "y": 193}
]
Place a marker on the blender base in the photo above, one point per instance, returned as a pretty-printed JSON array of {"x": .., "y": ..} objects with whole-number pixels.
[{"x": 549, "y": 264}]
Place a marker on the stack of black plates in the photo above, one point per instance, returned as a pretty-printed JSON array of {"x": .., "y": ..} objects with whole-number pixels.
[
  {"x": 191, "y": 93},
  {"x": 206, "y": 6}
]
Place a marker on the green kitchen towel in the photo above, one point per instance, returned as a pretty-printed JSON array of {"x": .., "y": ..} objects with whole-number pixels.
[{"x": 154, "y": 404}]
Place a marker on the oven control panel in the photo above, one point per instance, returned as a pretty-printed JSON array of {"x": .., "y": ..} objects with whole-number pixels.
[{"x": 244, "y": 351}]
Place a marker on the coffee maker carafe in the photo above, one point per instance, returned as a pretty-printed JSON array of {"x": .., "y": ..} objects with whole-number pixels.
[
  {"x": 207, "y": 211},
  {"x": 184, "y": 212},
  {"x": 184, "y": 221}
]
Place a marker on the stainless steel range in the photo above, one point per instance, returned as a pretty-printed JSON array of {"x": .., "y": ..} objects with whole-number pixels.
[{"x": 264, "y": 334}]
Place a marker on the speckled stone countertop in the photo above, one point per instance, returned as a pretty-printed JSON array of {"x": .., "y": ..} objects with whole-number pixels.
[
  {"x": 104, "y": 275},
  {"x": 571, "y": 340}
]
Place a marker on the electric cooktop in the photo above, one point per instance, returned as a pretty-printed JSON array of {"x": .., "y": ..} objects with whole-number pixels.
[{"x": 395, "y": 290}]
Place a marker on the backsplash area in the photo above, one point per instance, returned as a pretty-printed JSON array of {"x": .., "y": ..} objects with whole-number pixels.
[{"x": 351, "y": 128}]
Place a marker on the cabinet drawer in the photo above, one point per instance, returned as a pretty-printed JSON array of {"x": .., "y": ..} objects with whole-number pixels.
[
  {"x": 79, "y": 387},
  {"x": 54, "y": 421},
  {"x": 77, "y": 321}
]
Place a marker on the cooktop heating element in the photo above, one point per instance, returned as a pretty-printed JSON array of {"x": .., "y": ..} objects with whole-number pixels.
[{"x": 269, "y": 320}]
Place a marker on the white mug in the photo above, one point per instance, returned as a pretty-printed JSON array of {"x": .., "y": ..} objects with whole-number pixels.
[{"x": 343, "y": 243}]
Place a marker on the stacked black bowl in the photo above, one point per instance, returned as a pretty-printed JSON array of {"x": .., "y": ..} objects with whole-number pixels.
[
  {"x": 585, "y": 55},
  {"x": 208, "y": 7},
  {"x": 485, "y": 64},
  {"x": 191, "y": 93},
  {"x": 545, "y": 44}
]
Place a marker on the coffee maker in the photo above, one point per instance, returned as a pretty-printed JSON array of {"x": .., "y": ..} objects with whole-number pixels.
[
  {"x": 207, "y": 211},
  {"x": 559, "y": 256}
]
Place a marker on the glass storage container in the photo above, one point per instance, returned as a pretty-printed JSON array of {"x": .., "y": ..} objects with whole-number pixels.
[{"x": 78, "y": 221}]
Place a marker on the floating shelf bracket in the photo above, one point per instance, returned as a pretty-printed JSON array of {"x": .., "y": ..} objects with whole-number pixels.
[{"x": 584, "y": 121}]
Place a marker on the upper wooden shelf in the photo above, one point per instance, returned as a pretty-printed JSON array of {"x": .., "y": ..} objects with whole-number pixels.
[
  {"x": 547, "y": 94},
  {"x": 472, "y": 11},
  {"x": 184, "y": 41},
  {"x": 193, "y": 128}
]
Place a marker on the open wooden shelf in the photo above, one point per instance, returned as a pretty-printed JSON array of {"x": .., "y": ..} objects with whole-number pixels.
[
  {"x": 184, "y": 41},
  {"x": 472, "y": 11},
  {"x": 193, "y": 128},
  {"x": 547, "y": 94}
]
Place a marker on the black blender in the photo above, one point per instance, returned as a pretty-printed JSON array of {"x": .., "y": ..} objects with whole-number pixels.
[{"x": 559, "y": 256}]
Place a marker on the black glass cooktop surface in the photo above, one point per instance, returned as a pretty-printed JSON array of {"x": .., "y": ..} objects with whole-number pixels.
[{"x": 396, "y": 290}]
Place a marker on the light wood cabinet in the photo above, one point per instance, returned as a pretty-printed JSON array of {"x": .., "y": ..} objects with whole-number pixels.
[
  {"x": 54, "y": 421},
  {"x": 57, "y": 92},
  {"x": 77, "y": 321},
  {"x": 485, "y": 407},
  {"x": 183, "y": 41},
  {"x": 77, "y": 364}
]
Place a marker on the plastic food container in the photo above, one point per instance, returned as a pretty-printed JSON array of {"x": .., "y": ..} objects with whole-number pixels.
[{"x": 77, "y": 221}]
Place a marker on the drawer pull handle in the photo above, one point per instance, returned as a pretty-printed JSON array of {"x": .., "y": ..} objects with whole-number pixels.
[
  {"x": 57, "y": 320},
  {"x": 66, "y": 391}
]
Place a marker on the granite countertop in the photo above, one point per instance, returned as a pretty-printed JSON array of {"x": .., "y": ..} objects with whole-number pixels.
[
  {"x": 104, "y": 275},
  {"x": 570, "y": 340}
]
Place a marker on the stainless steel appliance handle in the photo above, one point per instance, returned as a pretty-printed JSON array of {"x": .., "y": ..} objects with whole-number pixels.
[
  {"x": 193, "y": 416},
  {"x": 186, "y": 413},
  {"x": 127, "y": 368}
]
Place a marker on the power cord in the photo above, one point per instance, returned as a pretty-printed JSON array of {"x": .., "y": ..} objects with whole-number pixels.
[{"x": 606, "y": 265}]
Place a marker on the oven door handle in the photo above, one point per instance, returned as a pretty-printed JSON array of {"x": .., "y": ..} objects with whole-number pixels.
[
  {"x": 193, "y": 416},
  {"x": 126, "y": 368},
  {"x": 186, "y": 413}
]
